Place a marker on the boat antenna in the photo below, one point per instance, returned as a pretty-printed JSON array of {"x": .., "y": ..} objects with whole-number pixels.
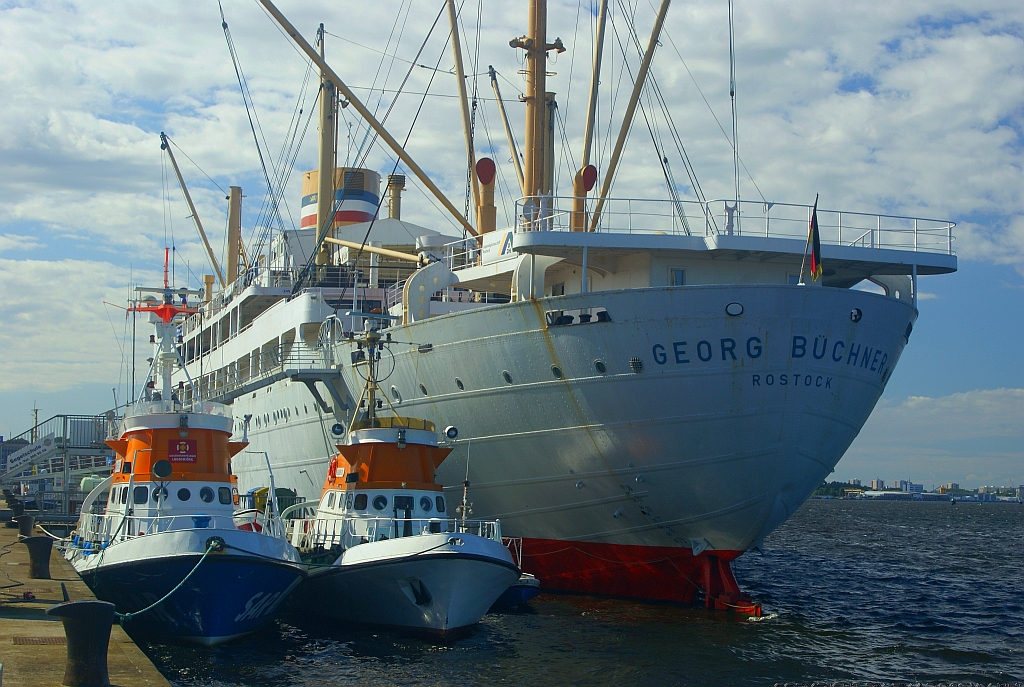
[
  {"x": 732, "y": 96},
  {"x": 465, "y": 508}
]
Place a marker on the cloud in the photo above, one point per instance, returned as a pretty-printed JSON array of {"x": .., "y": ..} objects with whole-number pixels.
[
  {"x": 975, "y": 438},
  {"x": 10, "y": 242}
]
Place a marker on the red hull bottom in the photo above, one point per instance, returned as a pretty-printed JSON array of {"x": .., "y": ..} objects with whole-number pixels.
[{"x": 645, "y": 572}]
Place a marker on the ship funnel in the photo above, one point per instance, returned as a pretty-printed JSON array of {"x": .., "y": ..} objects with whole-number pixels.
[
  {"x": 356, "y": 196},
  {"x": 396, "y": 183}
]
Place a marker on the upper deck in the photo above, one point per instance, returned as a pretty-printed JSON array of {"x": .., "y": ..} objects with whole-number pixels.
[{"x": 716, "y": 241}]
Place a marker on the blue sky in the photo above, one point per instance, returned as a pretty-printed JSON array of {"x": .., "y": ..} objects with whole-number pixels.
[{"x": 913, "y": 108}]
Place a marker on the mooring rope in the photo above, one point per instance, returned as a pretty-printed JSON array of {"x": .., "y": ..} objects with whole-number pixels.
[{"x": 213, "y": 544}]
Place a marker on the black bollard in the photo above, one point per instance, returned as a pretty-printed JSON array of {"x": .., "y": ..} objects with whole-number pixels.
[
  {"x": 39, "y": 556},
  {"x": 17, "y": 508},
  {"x": 26, "y": 523},
  {"x": 87, "y": 627}
]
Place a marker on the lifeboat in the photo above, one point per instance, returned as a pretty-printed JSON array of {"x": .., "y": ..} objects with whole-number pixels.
[
  {"x": 380, "y": 547},
  {"x": 159, "y": 538}
]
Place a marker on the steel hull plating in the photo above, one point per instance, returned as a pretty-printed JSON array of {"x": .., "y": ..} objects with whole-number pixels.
[
  {"x": 229, "y": 595},
  {"x": 437, "y": 591},
  {"x": 705, "y": 431}
]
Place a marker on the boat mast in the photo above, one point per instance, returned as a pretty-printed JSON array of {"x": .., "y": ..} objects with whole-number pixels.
[
  {"x": 508, "y": 129},
  {"x": 467, "y": 127},
  {"x": 579, "y": 189},
  {"x": 732, "y": 96},
  {"x": 367, "y": 116},
  {"x": 627, "y": 119},
  {"x": 165, "y": 145},
  {"x": 536, "y": 46},
  {"x": 326, "y": 162}
]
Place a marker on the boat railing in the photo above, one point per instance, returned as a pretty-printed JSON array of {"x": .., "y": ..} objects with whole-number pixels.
[
  {"x": 97, "y": 531},
  {"x": 729, "y": 218},
  {"x": 348, "y": 531}
]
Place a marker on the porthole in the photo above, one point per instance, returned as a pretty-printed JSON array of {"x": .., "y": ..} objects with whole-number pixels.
[
  {"x": 184, "y": 494},
  {"x": 395, "y": 395},
  {"x": 380, "y": 502},
  {"x": 458, "y": 383},
  {"x": 423, "y": 390},
  {"x": 440, "y": 504},
  {"x": 426, "y": 505},
  {"x": 360, "y": 502},
  {"x": 556, "y": 371},
  {"x": 600, "y": 366},
  {"x": 507, "y": 376},
  {"x": 734, "y": 309},
  {"x": 159, "y": 493},
  {"x": 636, "y": 365},
  {"x": 206, "y": 494},
  {"x": 855, "y": 315}
]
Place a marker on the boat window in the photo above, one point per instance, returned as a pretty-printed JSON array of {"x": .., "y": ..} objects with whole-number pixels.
[
  {"x": 440, "y": 504},
  {"x": 224, "y": 495},
  {"x": 330, "y": 500},
  {"x": 349, "y": 501},
  {"x": 425, "y": 504},
  {"x": 141, "y": 494},
  {"x": 404, "y": 503},
  {"x": 126, "y": 468},
  {"x": 380, "y": 502},
  {"x": 184, "y": 494},
  {"x": 124, "y": 495},
  {"x": 360, "y": 501},
  {"x": 676, "y": 276},
  {"x": 159, "y": 493},
  {"x": 206, "y": 494}
]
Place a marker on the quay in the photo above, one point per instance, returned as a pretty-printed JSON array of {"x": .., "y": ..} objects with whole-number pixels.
[{"x": 32, "y": 644}]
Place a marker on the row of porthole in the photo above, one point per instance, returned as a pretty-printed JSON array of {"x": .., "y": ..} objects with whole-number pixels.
[
  {"x": 140, "y": 495},
  {"x": 556, "y": 371},
  {"x": 283, "y": 414}
]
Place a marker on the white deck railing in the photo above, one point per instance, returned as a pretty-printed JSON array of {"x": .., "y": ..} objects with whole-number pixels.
[
  {"x": 346, "y": 532},
  {"x": 753, "y": 218}
]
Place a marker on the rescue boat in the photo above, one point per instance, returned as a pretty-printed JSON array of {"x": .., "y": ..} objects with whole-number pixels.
[
  {"x": 159, "y": 538},
  {"x": 381, "y": 549}
]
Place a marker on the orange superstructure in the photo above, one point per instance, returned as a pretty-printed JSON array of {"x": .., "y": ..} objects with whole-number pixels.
[
  {"x": 194, "y": 455},
  {"x": 385, "y": 462}
]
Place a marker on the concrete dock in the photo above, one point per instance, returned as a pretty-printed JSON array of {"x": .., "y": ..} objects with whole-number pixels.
[{"x": 32, "y": 644}]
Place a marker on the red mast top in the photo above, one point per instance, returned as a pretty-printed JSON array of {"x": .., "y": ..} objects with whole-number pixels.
[{"x": 166, "y": 310}]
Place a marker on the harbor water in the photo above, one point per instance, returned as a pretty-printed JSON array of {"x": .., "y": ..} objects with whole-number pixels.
[{"x": 854, "y": 591}]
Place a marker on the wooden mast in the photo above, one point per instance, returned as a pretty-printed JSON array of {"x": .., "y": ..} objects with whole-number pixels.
[
  {"x": 579, "y": 189},
  {"x": 508, "y": 130},
  {"x": 467, "y": 127},
  {"x": 325, "y": 165},
  {"x": 627, "y": 119},
  {"x": 367, "y": 116}
]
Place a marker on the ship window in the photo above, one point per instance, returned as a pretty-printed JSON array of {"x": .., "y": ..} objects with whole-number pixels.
[
  {"x": 360, "y": 501},
  {"x": 206, "y": 494},
  {"x": 507, "y": 376},
  {"x": 458, "y": 383},
  {"x": 141, "y": 495},
  {"x": 159, "y": 493},
  {"x": 558, "y": 289},
  {"x": 600, "y": 366},
  {"x": 349, "y": 501},
  {"x": 440, "y": 504},
  {"x": 224, "y": 495},
  {"x": 676, "y": 276},
  {"x": 792, "y": 279},
  {"x": 404, "y": 503},
  {"x": 426, "y": 505},
  {"x": 330, "y": 500},
  {"x": 395, "y": 395},
  {"x": 423, "y": 389},
  {"x": 184, "y": 494},
  {"x": 380, "y": 502},
  {"x": 127, "y": 467}
]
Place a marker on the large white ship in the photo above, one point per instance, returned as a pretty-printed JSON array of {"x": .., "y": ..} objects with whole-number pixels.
[{"x": 643, "y": 389}]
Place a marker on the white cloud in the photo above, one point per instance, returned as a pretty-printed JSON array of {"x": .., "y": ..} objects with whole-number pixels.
[
  {"x": 10, "y": 242},
  {"x": 975, "y": 438}
]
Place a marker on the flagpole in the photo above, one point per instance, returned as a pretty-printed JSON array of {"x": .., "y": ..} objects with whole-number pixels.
[{"x": 803, "y": 258}]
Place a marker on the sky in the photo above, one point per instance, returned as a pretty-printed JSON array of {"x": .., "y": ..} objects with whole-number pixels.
[{"x": 912, "y": 108}]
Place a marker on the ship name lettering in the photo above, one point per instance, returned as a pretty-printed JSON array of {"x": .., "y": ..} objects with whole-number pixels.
[{"x": 820, "y": 381}]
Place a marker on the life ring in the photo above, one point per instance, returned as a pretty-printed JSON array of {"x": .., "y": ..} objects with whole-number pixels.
[{"x": 332, "y": 469}]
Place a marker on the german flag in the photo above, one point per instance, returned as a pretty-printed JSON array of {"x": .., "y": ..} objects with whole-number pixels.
[{"x": 815, "y": 243}]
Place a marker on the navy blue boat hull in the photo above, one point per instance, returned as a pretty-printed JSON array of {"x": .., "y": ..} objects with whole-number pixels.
[{"x": 227, "y": 596}]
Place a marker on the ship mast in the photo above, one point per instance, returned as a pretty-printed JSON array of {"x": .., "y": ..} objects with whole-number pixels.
[
  {"x": 328, "y": 130},
  {"x": 536, "y": 46}
]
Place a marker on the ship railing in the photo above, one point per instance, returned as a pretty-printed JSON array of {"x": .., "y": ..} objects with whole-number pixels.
[
  {"x": 729, "y": 218},
  {"x": 96, "y": 531},
  {"x": 253, "y": 367},
  {"x": 396, "y": 294},
  {"x": 348, "y": 531}
]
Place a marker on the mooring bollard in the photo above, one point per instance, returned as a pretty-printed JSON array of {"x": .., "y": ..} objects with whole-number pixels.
[
  {"x": 17, "y": 508},
  {"x": 87, "y": 627},
  {"x": 26, "y": 523},
  {"x": 39, "y": 556}
]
